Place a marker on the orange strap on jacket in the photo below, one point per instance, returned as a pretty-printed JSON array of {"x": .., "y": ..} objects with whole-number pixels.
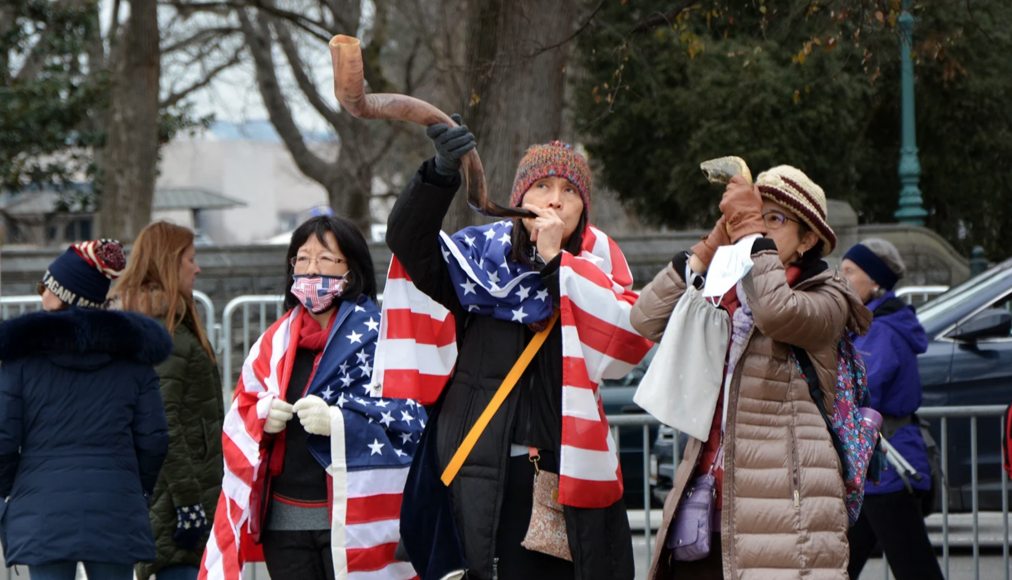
[{"x": 457, "y": 461}]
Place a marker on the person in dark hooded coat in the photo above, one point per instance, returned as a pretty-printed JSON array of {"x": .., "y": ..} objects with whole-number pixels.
[
  {"x": 82, "y": 429},
  {"x": 891, "y": 515}
]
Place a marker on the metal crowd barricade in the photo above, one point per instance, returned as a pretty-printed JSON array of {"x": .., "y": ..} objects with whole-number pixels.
[
  {"x": 941, "y": 414},
  {"x": 918, "y": 295},
  {"x": 258, "y": 312},
  {"x": 204, "y": 303},
  {"x": 11, "y": 306}
]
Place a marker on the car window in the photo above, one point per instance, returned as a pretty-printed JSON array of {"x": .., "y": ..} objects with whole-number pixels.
[
  {"x": 959, "y": 295},
  {"x": 1006, "y": 305}
]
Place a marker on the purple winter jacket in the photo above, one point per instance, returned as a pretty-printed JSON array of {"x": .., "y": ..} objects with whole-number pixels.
[{"x": 890, "y": 350}]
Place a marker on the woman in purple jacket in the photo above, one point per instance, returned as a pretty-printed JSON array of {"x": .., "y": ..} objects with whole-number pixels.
[{"x": 891, "y": 515}]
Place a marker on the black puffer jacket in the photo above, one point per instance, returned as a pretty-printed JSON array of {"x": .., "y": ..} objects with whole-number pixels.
[{"x": 599, "y": 538}]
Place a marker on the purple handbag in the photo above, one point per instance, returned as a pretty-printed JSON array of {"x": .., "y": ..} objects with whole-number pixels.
[{"x": 689, "y": 535}]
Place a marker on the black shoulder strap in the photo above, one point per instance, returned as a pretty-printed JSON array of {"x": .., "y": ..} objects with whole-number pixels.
[{"x": 812, "y": 378}]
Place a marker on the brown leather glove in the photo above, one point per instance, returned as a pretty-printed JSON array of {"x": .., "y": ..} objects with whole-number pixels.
[
  {"x": 707, "y": 247},
  {"x": 742, "y": 208}
]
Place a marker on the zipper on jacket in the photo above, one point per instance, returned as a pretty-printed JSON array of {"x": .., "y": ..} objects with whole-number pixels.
[
  {"x": 795, "y": 458},
  {"x": 495, "y": 568}
]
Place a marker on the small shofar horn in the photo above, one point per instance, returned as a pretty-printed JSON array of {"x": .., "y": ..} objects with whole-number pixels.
[
  {"x": 349, "y": 88},
  {"x": 722, "y": 169}
]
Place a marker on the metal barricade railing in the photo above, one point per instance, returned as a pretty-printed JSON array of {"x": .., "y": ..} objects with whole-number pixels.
[
  {"x": 266, "y": 309},
  {"x": 918, "y": 295},
  {"x": 205, "y": 303},
  {"x": 941, "y": 414},
  {"x": 11, "y": 306}
]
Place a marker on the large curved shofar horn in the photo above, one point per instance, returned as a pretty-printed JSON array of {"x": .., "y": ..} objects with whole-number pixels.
[
  {"x": 722, "y": 169},
  {"x": 349, "y": 89}
]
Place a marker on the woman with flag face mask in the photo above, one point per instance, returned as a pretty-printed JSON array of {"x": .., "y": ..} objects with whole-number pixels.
[
  {"x": 490, "y": 289},
  {"x": 315, "y": 461}
]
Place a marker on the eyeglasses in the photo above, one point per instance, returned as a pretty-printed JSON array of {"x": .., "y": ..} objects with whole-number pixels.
[
  {"x": 774, "y": 220},
  {"x": 323, "y": 262}
]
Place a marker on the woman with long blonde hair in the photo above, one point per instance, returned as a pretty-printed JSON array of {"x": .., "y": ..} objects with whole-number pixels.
[{"x": 158, "y": 281}]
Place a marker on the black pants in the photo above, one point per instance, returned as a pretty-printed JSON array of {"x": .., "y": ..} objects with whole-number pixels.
[
  {"x": 298, "y": 554},
  {"x": 514, "y": 561},
  {"x": 894, "y": 521}
]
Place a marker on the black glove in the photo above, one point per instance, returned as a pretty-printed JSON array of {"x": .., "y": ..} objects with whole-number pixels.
[
  {"x": 191, "y": 522},
  {"x": 451, "y": 144}
]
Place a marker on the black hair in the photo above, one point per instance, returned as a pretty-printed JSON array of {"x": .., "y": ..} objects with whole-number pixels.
[
  {"x": 362, "y": 274},
  {"x": 522, "y": 248},
  {"x": 814, "y": 254}
]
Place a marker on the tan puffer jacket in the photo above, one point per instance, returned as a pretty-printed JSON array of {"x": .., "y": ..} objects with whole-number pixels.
[{"x": 783, "y": 514}]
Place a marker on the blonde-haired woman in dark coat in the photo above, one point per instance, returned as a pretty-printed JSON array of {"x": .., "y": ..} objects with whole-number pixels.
[{"x": 158, "y": 281}]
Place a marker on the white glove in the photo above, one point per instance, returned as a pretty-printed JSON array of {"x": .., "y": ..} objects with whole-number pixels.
[
  {"x": 278, "y": 416},
  {"x": 314, "y": 413}
]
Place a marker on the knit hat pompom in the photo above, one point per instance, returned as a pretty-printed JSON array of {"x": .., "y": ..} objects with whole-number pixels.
[
  {"x": 105, "y": 255},
  {"x": 791, "y": 188},
  {"x": 81, "y": 276},
  {"x": 554, "y": 159}
]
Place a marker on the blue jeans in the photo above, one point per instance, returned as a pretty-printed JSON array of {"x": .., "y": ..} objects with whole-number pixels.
[
  {"x": 68, "y": 571},
  {"x": 179, "y": 572}
]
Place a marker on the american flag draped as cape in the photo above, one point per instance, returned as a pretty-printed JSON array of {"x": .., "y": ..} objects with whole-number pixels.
[
  {"x": 417, "y": 349},
  {"x": 367, "y": 455}
]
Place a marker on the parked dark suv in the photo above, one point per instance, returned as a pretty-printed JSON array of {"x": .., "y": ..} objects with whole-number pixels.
[{"x": 968, "y": 362}]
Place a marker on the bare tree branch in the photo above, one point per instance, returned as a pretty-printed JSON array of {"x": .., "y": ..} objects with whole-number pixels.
[
  {"x": 259, "y": 42},
  {"x": 315, "y": 28},
  {"x": 200, "y": 37},
  {"x": 575, "y": 33},
  {"x": 306, "y": 84},
  {"x": 208, "y": 77},
  {"x": 662, "y": 18}
]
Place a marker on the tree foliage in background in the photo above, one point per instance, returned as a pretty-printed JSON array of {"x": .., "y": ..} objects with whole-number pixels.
[
  {"x": 85, "y": 105},
  {"x": 47, "y": 92},
  {"x": 665, "y": 85}
]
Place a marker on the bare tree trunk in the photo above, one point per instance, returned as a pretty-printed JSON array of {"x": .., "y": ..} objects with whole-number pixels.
[
  {"x": 131, "y": 152},
  {"x": 515, "y": 79}
]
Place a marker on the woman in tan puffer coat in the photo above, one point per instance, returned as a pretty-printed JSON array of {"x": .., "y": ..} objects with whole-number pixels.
[{"x": 780, "y": 491}]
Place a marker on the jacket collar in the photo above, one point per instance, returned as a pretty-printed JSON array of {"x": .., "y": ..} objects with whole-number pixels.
[{"x": 85, "y": 331}]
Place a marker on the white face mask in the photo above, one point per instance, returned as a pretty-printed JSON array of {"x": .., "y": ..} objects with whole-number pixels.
[{"x": 729, "y": 264}]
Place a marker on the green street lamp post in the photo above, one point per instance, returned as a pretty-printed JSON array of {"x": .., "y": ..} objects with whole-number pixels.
[{"x": 911, "y": 210}]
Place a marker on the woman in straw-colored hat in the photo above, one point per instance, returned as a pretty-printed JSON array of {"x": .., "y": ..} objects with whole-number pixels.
[{"x": 779, "y": 488}]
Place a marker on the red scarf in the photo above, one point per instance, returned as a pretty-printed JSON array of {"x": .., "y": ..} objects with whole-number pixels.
[{"x": 312, "y": 336}]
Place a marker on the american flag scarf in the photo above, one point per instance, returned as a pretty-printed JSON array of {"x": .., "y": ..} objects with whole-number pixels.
[
  {"x": 417, "y": 349},
  {"x": 367, "y": 456}
]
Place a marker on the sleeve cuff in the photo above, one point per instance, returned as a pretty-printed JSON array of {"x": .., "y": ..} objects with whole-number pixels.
[
  {"x": 762, "y": 244},
  {"x": 550, "y": 277},
  {"x": 433, "y": 177},
  {"x": 680, "y": 263}
]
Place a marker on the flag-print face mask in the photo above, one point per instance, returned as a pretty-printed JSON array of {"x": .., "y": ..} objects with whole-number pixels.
[{"x": 317, "y": 293}]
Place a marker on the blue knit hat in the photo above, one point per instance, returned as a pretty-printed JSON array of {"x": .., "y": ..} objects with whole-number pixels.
[{"x": 81, "y": 276}]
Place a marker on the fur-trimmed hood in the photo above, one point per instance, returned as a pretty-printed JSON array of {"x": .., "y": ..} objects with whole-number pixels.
[{"x": 85, "y": 331}]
